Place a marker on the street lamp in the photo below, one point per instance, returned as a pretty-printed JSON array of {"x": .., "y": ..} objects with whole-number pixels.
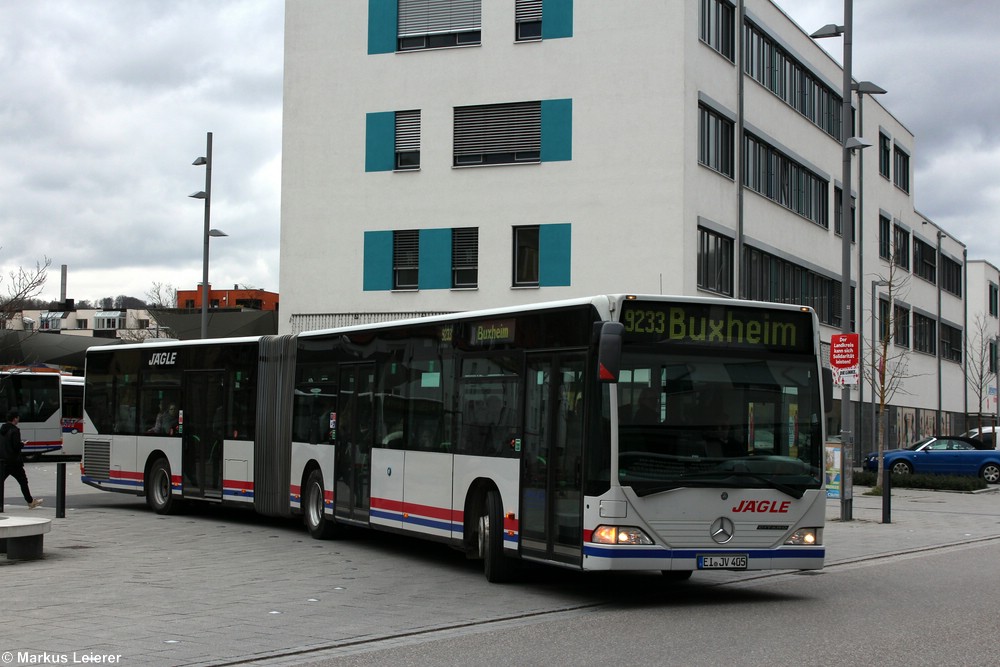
[
  {"x": 876, "y": 283},
  {"x": 206, "y": 194},
  {"x": 863, "y": 88},
  {"x": 849, "y": 144}
]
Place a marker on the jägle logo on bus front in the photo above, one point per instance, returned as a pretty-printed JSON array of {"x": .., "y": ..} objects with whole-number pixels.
[{"x": 163, "y": 359}]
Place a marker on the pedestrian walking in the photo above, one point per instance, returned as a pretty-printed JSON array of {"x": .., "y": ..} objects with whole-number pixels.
[{"x": 11, "y": 460}]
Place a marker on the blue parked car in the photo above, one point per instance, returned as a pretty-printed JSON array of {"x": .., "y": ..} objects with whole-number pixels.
[{"x": 942, "y": 455}]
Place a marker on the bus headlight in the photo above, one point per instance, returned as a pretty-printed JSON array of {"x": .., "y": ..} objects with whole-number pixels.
[
  {"x": 620, "y": 535},
  {"x": 804, "y": 536}
]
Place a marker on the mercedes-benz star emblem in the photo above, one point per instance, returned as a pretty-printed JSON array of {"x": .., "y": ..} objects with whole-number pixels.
[{"x": 722, "y": 530}]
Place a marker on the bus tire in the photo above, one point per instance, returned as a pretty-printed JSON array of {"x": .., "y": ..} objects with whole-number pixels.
[
  {"x": 319, "y": 525},
  {"x": 159, "y": 490},
  {"x": 497, "y": 566}
]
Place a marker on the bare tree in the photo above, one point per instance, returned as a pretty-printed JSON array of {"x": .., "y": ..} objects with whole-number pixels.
[
  {"x": 981, "y": 360},
  {"x": 161, "y": 295},
  {"x": 23, "y": 286},
  {"x": 889, "y": 362}
]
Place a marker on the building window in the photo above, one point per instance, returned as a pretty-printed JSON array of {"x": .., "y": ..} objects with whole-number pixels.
[
  {"x": 993, "y": 356},
  {"x": 837, "y": 224},
  {"x": 924, "y": 334},
  {"x": 526, "y": 256},
  {"x": 408, "y": 140},
  {"x": 435, "y": 24},
  {"x": 951, "y": 276},
  {"x": 465, "y": 257},
  {"x": 715, "y": 262},
  {"x": 189, "y": 303},
  {"x": 717, "y": 23},
  {"x": 924, "y": 260},
  {"x": 994, "y": 300},
  {"x": 884, "y": 154},
  {"x": 528, "y": 20},
  {"x": 951, "y": 343},
  {"x": 405, "y": 259},
  {"x": 901, "y": 325},
  {"x": 901, "y": 169},
  {"x": 772, "y": 174},
  {"x": 498, "y": 134},
  {"x": 108, "y": 321},
  {"x": 901, "y": 243},
  {"x": 772, "y": 279},
  {"x": 82, "y": 324},
  {"x": 715, "y": 141},
  {"x": 778, "y": 71},
  {"x": 884, "y": 238}
]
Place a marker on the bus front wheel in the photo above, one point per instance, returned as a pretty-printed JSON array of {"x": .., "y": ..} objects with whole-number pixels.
[
  {"x": 159, "y": 494},
  {"x": 320, "y": 526},
  {"x": 497, "y": 567}
]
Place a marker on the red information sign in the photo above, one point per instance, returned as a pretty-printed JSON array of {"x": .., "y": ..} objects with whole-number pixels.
[{"x": 844, "y": 350}]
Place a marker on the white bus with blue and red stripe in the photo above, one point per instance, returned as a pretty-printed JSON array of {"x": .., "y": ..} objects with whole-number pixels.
[{"x": 616, "y": 432}]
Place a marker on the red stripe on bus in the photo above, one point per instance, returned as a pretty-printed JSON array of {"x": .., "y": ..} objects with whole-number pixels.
[{"x": 442, "y": 513}]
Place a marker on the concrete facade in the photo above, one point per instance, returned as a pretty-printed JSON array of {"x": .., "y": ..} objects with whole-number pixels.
[{"x": 630, "y": 198}]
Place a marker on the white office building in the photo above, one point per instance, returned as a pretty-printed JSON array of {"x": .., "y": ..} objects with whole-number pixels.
[{"x": 444, "y": 155}]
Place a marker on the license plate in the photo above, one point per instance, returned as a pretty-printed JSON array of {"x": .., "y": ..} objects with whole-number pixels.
[{"x": 728, "y": 562}]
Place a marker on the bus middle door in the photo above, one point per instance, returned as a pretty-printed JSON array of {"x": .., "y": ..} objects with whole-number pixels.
[
  {"x": 203, "y": 406},
  {"x": 353, "y": 445}
]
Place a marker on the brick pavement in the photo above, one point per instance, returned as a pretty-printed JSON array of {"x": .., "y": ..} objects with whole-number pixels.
[{"x": 218, "y": 586}]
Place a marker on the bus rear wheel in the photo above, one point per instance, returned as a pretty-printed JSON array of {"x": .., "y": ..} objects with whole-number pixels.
[
  {"x": 159, "y": 490},
  {"x": 320, "y": 526},
  {"x": 497, "y": 566}
]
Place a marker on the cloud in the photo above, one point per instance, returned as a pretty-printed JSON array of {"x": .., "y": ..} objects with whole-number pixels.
[{"x": 106, "y": 104}]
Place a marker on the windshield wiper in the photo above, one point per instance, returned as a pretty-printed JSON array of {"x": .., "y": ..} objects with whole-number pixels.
[{"x": 784, "y": 488}]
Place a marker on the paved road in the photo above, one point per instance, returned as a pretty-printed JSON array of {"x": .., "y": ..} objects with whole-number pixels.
[{"x": 227, "y": 587}]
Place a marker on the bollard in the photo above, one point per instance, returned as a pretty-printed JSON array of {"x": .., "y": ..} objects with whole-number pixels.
[
  {"x": 60, "y": 490},
  {"x": 3, "y": 476},
  {"x": 886, "y": 495}
]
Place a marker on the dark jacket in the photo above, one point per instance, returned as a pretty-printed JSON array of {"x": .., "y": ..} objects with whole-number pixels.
[{"x": 10, "y": 443}]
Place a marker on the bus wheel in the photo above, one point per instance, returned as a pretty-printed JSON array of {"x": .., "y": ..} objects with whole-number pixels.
[
  {"x": 159, "y": 497},
  {"x": 320, "y": 526},
  {"x": 497, "y": 567}
]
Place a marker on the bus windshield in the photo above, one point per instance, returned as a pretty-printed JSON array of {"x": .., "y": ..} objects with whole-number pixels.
[{"x": 721, "y": 421}]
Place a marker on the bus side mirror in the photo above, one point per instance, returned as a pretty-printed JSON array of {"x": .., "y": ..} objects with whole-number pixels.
[
  {"x": 827, "y": 390},
  {"x": 609, "y": 351}
]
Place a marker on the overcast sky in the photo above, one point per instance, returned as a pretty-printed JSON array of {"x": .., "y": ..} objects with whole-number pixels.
[{"x": 104, "y": 104}]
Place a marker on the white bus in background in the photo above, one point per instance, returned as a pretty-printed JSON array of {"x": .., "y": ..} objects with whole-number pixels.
[
  {"x": 72, "y": 415},
  {"x": 36, "y": 395}
]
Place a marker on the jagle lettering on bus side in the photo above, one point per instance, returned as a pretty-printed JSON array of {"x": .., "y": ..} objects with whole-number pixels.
[{"x": 163, "y": 359}]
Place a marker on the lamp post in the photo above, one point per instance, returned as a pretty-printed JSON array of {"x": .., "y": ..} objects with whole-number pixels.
[
  {"x": 876, "y": 283},
  {"x": 206, "y": 194},
  {"x": 863, "y": 88},
  {"x": 849, "y": 144}
]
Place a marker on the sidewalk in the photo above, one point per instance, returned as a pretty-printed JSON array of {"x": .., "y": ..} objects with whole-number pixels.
[{"x": 920, "y": 519}]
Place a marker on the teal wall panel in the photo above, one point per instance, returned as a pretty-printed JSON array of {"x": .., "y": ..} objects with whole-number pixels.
[
  {"x": 557, "y": 19},
  {"x": 383, "y": 18},
  {"x": 435, "y": 259},
  {"x": 557, "y": 130},
  {"x": 380, "y": 141},
  {"x": 554, "y": 254},
  {"x": 378, "y": 261}
]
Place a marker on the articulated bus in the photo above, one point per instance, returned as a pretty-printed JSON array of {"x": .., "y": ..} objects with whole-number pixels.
[{"x": 609, "y": 433}]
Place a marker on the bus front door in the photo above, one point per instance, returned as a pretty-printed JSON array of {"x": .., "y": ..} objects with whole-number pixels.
[
  {"x": 202, "y": 433},
  {"x": 551, "y": 458},
  {"x": 353, "y": 446}
]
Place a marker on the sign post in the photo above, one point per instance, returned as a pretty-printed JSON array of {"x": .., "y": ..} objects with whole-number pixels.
[{"x": 844, "y": 358}]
